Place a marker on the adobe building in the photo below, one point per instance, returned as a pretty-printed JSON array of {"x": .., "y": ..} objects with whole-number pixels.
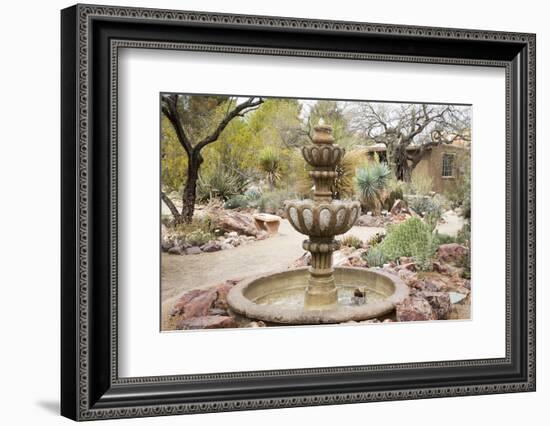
[{"x": 445, "y": 163}]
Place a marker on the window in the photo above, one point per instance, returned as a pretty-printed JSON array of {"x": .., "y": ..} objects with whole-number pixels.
[{"x": 447, "y": 166}]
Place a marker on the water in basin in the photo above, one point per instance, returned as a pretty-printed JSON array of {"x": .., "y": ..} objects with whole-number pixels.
[{"x": 294, "y": 297}]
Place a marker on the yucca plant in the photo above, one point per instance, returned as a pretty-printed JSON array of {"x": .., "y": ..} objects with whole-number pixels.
[
  {"x": 270, "y": 164},
  {"x": 370, "y": 181}
]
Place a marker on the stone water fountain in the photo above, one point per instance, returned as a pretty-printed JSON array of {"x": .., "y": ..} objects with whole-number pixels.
[{"x": 319, "y": 294}]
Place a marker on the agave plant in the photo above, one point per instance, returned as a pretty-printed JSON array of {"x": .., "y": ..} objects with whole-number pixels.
[
  {"x": 270, "y": 164},
  {"x": 370, "y": 181}
]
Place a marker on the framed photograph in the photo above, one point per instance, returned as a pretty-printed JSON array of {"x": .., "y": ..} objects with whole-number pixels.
[{"x": 263, "y": 212}]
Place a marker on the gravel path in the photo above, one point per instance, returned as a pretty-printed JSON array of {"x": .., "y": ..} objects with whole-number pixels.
[{"x": 182, "y": 273}]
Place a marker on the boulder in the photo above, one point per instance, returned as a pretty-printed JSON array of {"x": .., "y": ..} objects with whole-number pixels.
[
  {"x": 232, "y": 221},
  {"x": 303, "y": 260},
  {"x": 206, "y": 322},
  {"x": 221, "y": 294},
  {"x": 369, "y": 220},
  {"x": 211, "y": 246},
  {"x": 195, "y": 303},
  {"x": 256, "y": 324},
  {"x": 452, "y": 253},
  {"x": 176, "y": 250},
  {"x": 439, "y": 301},
  {"x": 166, "y": 245},
  {"x": 414, "y": 309},
  {"x": 398, "y": 206},
  {"x": 193, "y": 250}
]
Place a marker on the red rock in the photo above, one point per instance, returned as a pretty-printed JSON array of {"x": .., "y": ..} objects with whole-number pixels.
[
  {"x": 452, "y": 253},
  {"x": 206, "y": 322},
  {"x": 414, "y": 309},
  {"x": 439, "y": 301},
  {"x": 231, "y": 221},
  {"x": 221, "y": 291},
  {"x": 195, "y": 303}
]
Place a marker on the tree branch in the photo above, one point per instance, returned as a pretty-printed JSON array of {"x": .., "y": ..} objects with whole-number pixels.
[
  {"x": 170, "y": 205},
  {"x": 170, "y": 110},
  {"x": 246, "y": 106}
]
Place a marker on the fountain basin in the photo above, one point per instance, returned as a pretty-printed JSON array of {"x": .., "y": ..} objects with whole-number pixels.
[
  {"x": 279, "y": 297},
  {"x": 322, "y": 220}
]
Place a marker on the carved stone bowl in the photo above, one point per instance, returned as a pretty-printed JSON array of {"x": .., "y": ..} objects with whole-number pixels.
[
  {"x": 278, "y": 297},
  {"x": 322, "y": 220},
  {"x": 323, "y": 155}
]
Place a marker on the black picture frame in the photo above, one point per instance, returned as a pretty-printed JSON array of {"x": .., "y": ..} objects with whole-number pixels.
[{"x": 90, "y": 386}]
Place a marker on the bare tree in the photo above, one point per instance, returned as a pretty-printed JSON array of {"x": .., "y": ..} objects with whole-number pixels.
[
  {"x": 399, "y": 126},
  {"x": 173, "y": 110}
]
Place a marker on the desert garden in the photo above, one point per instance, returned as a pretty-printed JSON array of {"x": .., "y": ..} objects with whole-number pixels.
[{"x": 230, "y": 164}]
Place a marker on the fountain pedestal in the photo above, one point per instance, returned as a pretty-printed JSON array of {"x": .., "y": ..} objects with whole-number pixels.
[{"x": 321, "y": 290}]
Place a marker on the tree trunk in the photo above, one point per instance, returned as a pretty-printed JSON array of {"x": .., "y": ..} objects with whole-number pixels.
[
  {"x": 190, "y": 189},
  {"x": 173, "y": 209}
]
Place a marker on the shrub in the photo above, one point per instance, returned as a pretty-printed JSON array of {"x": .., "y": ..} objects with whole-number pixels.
[
  {"x": 394, "y": 195},
  {"x": 220, "y": 183},
  {"x": 270, "y": 163},
  {"x": 198, "y": 232},
  {"x": 371, "y": 181},
  {"x": 421, "y": 183},
  {"x": 236, "y": 202},
  {"x": 428, "y": 208},
  {"x": 351, "y": 241},
  {"x": 344, "y": 186},
  {"x": 374, "y": 257},
  {"x": 463, "y": 236},
  {"x": 412, "y": 238},
  {"x": 198, "y": 237},
  {"x": 440, "y": 239},
  {"x": 271, "y": 202}
]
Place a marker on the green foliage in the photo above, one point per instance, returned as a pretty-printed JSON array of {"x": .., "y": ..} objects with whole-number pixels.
[
  {"x": 270, "y": 163},
  {"x": 371, "y": 181},
  {"x": 220, "y": 183},
  {"x": 463, "y": 236},
  {"x": 440, "y": 239},
  {"x": 344, "y": 184},
  {"x": 459, "y": 194},
  {"x": 236, "y": 202},
  {"x": 412, "y": 238},
  {"x": 351, "y": 241},
  {"x": 196, "y": 233},
  {"x": 428, "y": 207},
  {"x": 374, "y": 257},
  {"x": 272, "y": 201}
]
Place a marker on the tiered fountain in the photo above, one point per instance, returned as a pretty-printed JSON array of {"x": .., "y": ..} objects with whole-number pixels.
[{"x": 319, "y": 294}]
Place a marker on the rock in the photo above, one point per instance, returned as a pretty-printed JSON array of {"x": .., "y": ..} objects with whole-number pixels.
[
  {"x": 303, "y": 260},
  {"x": 438, "y": 267},
  {"x": 369, "y": 220},
  {"x": 340, "y": 259},
  {"x": 467, "y": 284},
  {"x": 432, "y": 286},
  {"x": 195, "y": 303},
  {"x": 439, "y": 301},
  {"x": 166, "y": 245},
  {"x": 414, "y": 309},
  {"x": 262, "y": 235},
  {"x": 225, "y": 246},
  {"x": 206, "y": 322},
  {"x": 452, "y": 253},
  {"x": 176, "y": 250},
  {"x": 211, "y": 246},
  {"x": 388, "y": 320},
  {"x": 255, "y": 324},
  {"x": 217, "y": 311},
  {"x": 398, "y": 206},
  {"x": 411, "y": 266},
  {"x": 221, "y": 294},
  {"x": 232, "y": 234},
  {"x": 193, "y": 250},
  {"x": 356, "y": 258},
  {"x": 232, "y": 221}
]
